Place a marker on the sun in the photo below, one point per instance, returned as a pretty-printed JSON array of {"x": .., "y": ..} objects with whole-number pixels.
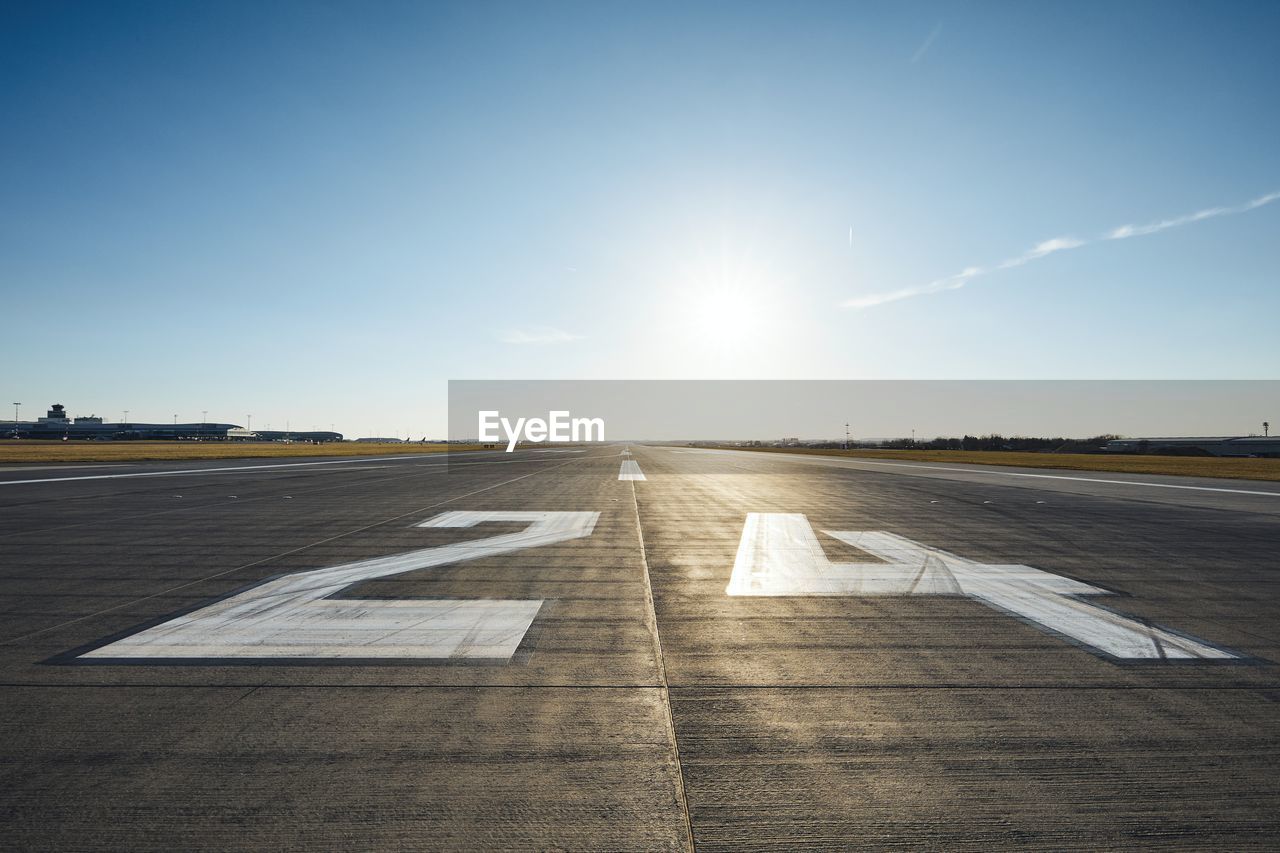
[{"x": 722, "y": 306}]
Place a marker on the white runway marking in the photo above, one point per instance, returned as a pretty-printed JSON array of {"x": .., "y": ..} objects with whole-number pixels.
[
  {"x": 365, "y": 460},
  {"x": 429, "y": 462},
  {"x": 780, "y": 555},
  {"x": 630, "y": 471},
  {"x": 800, "y": 457},
  {"x": 295, "y": 616},
  {"x": 63, "y": 467}
]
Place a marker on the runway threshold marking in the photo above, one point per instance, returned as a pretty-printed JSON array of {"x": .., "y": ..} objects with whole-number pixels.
[
  {"x": 779, "y": 555},
  {"x": 296, "y": 616},
  {"x": 630, "y": 470}
]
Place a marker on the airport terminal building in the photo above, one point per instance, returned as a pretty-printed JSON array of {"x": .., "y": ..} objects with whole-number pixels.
[
  {"x": 1249, "y": 445},
  {"x": 57, "y": 426}
]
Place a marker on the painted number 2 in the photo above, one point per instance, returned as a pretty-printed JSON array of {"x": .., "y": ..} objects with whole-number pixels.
[{"x": 296, "y": 616}]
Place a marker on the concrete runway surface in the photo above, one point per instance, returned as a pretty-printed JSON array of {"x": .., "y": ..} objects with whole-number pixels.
[{"x": 541, "y": 651}]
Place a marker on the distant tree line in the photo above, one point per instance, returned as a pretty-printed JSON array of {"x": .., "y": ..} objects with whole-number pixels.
[{"x": 994, "y": 442}]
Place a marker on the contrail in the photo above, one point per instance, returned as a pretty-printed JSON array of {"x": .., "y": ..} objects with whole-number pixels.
[{"x": 928, "y": 43}]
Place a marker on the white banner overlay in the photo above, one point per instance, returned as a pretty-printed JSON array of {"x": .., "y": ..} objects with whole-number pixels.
[
  {"x": 780, "y": 555},
  {"x": 296, "y": 617}
]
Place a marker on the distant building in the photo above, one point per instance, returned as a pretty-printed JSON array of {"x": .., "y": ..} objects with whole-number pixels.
[
  {"x": 310, "y": 436},
  {"x": 55, "y": 425},
  {"x": 1251, "y": 445},
  {"x": 57, "y": 414}
]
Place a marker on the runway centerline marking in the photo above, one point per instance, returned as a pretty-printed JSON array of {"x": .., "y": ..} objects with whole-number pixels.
[
  {"x": 296, "y": 616},
  {"x": 779, "y": 555},
  {"x": 630, "y": 470}
]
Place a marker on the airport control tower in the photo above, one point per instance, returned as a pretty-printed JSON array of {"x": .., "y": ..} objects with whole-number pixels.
[{"x": 57, "y": 414}]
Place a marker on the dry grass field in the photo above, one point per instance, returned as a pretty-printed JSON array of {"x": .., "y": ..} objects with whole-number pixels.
[
  {"x": 1187, "y": 466},
  {"x": 149, "y": 451}
]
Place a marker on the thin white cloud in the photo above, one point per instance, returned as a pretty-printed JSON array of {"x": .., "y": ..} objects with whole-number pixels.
[
  {"x": 905, "y": 293},
  {"x": 1049, "y": 247},
  {"x": 954, "y": 282},
  {"x": 928, "y": 43},
  {"x": 1039, "y": 250},
  {"x": 537, "y": 335},
  {"x": 1263, "y": 199},
  {"x": 1126, "y": 231},
  {"x": 1057, "y": 244}
]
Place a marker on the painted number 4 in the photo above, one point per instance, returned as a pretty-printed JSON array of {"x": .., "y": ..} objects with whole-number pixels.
[{"x": 780, "y": 555}]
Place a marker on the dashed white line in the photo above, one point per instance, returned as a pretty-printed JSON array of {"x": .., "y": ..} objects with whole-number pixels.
[{"x": 630, "y": 471}]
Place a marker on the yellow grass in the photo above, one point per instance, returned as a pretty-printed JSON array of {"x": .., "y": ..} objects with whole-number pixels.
[
  {"x": 1188, "y": 466},
  {"x": 140, "y": 451}
]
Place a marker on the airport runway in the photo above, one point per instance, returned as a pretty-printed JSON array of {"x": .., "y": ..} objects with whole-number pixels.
[{"x": 637, "y": 648}]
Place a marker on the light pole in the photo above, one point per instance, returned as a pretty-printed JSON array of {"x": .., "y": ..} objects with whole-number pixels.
[
  {"x": 249, "y": 418},
  {"x": 16, "y": 406},
  {"x": 846, "y": 435},
  {"x": 126, "y": 415},
  {"x": 1266, "y": 428}
]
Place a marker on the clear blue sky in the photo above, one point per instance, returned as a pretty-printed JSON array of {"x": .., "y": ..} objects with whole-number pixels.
[{"x": 319, "y": 212}]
